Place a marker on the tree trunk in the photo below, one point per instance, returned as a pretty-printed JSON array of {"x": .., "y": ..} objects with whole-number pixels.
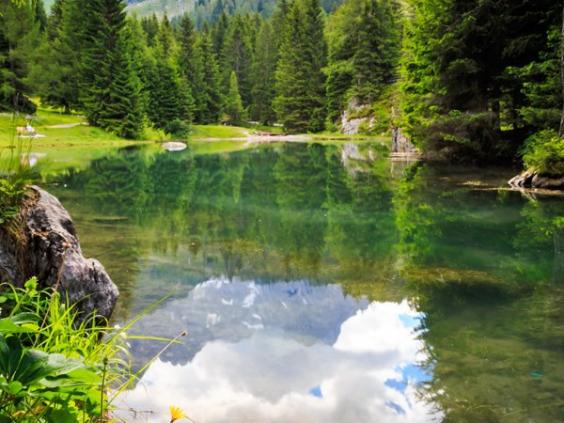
[{"x": 561, "y": 132}]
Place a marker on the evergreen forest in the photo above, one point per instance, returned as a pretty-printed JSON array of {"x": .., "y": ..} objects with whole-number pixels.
[{"x": 475, "y": 81}]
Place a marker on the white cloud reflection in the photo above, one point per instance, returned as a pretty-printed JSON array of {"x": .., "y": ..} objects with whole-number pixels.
[{"x": 273, "y": 374}]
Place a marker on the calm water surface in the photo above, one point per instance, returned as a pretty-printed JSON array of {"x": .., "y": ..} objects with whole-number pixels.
[{"x": 329, "y": 284}]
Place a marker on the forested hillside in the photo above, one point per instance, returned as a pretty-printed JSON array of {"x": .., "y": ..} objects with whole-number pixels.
[
  {"x": 466, "y": 80},
  {"x": 203, "y": 11}
]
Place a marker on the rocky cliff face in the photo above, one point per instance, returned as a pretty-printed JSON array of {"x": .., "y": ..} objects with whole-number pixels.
[
  {"x": 352, "y": 122},
  {"x": 42, "y": 242}
]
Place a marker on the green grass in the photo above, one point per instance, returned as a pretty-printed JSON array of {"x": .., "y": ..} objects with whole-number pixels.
[
  {"x": 275, "y": 130},
  {"x": 64, "y": 147},
  {"x": 217, "y": 131},
  {"x": 53, "y": 137}
]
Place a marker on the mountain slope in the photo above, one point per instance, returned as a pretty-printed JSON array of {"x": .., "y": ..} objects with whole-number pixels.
[{"x": 208, "y": 10}]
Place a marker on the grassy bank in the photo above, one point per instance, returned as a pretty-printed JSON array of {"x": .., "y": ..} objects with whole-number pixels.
[{"x": 68, "y": 141}]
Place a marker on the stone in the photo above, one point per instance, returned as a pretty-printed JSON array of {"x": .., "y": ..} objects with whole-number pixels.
[
  {"x": 174, "y": 146},
  {"x": 534, "y": 180},
  {"x": 351, "y": 125},
  {"x": 401, "y": 144},
  {"x": 42, "y": 242}
]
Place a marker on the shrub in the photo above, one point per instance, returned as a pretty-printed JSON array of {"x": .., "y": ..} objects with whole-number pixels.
[
  {"x": 543, "y": 152},
  {"x": 15, "y": 174},
  {"x": 177, "y": 128}
]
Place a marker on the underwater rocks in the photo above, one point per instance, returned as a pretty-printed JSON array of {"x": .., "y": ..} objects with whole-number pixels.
[
  {"x": 42, "y": 242},
  {"x": 529, "y": 179}
]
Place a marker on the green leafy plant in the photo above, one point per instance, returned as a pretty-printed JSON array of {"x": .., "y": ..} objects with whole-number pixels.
[
  {"x": 56, "y": 365},
  {"x": 544, "y": 153},
  {"x": 15, "y": 173},
  {"x": 41, "y": 384}
]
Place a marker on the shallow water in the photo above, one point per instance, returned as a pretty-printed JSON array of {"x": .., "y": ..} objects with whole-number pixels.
[{"x": 327, "y": 283}]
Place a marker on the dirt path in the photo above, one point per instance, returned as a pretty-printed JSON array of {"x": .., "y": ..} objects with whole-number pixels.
[{"x": 66, "y": 125}]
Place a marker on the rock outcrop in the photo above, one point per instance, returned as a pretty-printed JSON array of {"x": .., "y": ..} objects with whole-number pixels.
[
  {"x": 352, "y": 120},
  {"x": 42, "y": 242},
  {"x": 401, "y": 144},
  {"x": 529, "y": 179}
]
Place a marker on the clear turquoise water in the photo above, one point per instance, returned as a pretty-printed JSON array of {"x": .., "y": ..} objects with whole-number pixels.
[{"x": 327, "y": 283}]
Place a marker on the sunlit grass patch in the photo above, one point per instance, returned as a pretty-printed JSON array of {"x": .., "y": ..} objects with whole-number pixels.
[{"x": 218, "y": 131}]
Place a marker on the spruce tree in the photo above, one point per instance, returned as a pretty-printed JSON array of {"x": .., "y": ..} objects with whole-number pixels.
[
  {"x": 376, "y": 50},
  {"x": 125, "y": 116},
  {"x": 191, "y": 66},
  {"x": 55, "y": 20},
  {"x": 39, "y": 14},
  {"x": 150, "y": 26},
  {"x": 363, "y": 53},
  {"x": 169, "y": 95},
  {"x": 59, "y": 76},
  {"x": 19, "y": 34},
  {"x": 264, "y": 80},
  {"x": 110, "y": 88},
  {"x": 458, "y": 56},
  {"x": 219, "y": 33},
  {"x": 561, "y": 130},
  {"x": 279, "y": 20},
  {"x": 237, "y": 56},
  {"x": 212, "y": 104},
  {"x": 233, "y": 104},
  {"x": 300, "y": 81}
]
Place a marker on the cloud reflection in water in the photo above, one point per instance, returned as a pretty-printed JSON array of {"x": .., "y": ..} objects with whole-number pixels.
[{"x": 287, "y": 352}]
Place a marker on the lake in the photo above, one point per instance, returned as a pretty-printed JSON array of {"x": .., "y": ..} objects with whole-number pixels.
[{"x": 327, "y": 283}]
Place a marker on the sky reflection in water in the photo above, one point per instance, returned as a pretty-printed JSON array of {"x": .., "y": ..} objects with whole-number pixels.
[
  {"x": 485, "y": 265},
  {"x": 285, "y": 352}
]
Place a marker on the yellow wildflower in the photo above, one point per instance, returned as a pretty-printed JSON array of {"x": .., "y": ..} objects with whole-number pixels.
[{"x": 176, "y": 413}]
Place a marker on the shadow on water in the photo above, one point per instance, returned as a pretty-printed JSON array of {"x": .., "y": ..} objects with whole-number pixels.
[{"x": 331, "y": 280}]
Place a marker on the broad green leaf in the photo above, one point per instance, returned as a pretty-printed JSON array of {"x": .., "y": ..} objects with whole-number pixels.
[{"x": 8, "y": 325}]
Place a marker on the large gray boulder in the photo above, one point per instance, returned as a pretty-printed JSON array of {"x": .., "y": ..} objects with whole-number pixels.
[{"x": 42, "y": 242}]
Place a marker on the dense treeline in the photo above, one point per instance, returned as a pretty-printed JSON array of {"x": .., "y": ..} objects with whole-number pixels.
[
  {"x": 467, "y": 79},
  {"x": 127, "y": 73},
  {"x": 480, "y": 76}
]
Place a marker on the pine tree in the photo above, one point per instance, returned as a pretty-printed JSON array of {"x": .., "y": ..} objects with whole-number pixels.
[
  {"x": 212, "y": 104},
  {"x": 150, "y": 26},
  {"x": 458, "y": 56},
  {"x": 191, "y": 66},
  {"x": 237, "y": 56},
  {"x": 219, "y": 33},
  {"x": 140, "y": 55},
  {"x": 19, "y": 34},
  {"x": 279, "y": 21},
  {"x": 233, "y": 104},
  {"x": 169, "y": 95},
  {"x": 39, "y": 14},
  {"x": 125, "y": 116},
  {"x": 55, "y": 20},
  {"x": 165, "y": 37},
  {"x": 561, "y": 130},
  {"x": 376, "y": 50},
  {"x": 264, "y": 80},
  {"x": 59, "y": 71},
  {"x": 363, "y": 53},
  {"x": 110, "y": 88},
  {"x": 300, "y": 81}
]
